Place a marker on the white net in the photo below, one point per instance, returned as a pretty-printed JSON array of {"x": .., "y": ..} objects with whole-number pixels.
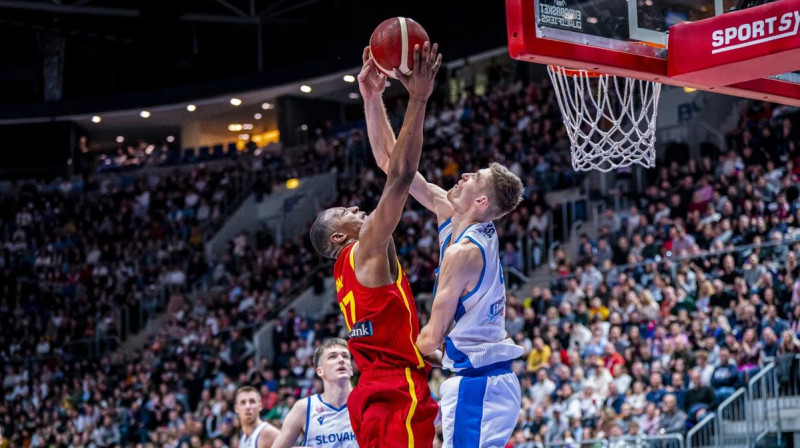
[{"x": 610, "y": 120}]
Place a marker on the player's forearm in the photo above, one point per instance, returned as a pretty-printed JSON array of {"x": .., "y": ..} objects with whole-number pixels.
[
  {"x": 405, "y": 158},
  {"x": 379, "y": 131},
  {"x": 428, "y": 342}
]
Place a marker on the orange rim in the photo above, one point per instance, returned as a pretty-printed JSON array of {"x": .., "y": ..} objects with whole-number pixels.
[{"x": 575, "y": 72}]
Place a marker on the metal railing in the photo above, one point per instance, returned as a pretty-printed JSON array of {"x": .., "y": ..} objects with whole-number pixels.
[
  {"x": 658, "y": 441},
  {"x": 764, "y": 410},
  {"x": 702, "y": 434},
  {"x": 752, "y": 412},
  {"x": 733, "y": 426}
]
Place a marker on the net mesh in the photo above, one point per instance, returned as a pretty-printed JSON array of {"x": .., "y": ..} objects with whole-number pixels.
[{"x": 610, "y": 120}]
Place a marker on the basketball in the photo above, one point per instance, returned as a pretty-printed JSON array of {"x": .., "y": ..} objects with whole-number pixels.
[{"x": 392, "y": 44}]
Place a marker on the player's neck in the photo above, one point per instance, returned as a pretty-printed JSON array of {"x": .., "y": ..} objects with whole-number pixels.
[
  {"x": 461, "y": 222},
  {"x": 247, "y": 429},
  {"x": 336, "y": 393}
]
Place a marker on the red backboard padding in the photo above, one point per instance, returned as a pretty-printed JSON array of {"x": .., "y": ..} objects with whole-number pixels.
[
  {"x": 745, "y": 79},
  {"x": 738, "y": 46}
]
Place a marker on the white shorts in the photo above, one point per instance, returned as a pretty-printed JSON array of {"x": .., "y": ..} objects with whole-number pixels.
[{"x": 479, "y": 411}]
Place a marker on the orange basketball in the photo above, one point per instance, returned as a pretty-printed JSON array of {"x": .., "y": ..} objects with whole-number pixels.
[{"x": 392, "y": 44}]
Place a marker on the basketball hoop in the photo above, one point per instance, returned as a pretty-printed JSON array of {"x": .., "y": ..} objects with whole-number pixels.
[{"x": 610, "y": 120}]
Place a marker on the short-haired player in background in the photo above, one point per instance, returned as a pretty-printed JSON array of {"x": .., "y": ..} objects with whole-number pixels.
[
  {"x": 256, "y": 433},
  {"x": 480, "y": 404},
  {"x": 392, "y": 405},
  {"x": 323, "y": 418}
]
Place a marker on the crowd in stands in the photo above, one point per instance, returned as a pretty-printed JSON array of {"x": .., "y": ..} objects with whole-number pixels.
[
  {"x": 679, "y": 300},
  {"x": 76, "y": 252},
  {"x": 629, "y": 339}
]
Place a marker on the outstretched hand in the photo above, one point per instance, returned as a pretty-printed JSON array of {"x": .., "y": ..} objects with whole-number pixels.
[
  {"x": 426, "y": 64},
  {"x": 371, "y": 81}
]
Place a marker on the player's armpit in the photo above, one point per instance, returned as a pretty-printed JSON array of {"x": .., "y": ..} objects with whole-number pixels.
[
  {"x": 292, "y": 426},
  {"x": 461, "y": 265}
]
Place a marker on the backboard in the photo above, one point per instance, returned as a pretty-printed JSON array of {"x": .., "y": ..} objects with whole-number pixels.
[{"x": 753, "y": 52}]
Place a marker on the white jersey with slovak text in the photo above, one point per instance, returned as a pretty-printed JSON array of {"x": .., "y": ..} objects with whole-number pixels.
[
  {"x": 327, "y": 426},
  {"x": 478, "y": 337},
  {"x": 252, "y": 441}
]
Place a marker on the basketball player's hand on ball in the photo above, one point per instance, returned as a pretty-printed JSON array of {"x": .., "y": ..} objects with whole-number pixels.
[
  {"x": 419, "y": 83},
  {"x": 371, "y": 81}
]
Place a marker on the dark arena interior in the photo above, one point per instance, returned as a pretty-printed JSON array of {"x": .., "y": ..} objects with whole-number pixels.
[{"x": 163, "y": 163}]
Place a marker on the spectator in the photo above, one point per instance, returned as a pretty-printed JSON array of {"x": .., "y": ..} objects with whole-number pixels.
[{"x": 699, "y": 398}]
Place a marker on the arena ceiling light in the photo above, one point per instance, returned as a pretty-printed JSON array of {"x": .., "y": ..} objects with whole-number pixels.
[
  {"x": 305, "y": 89},
  {"x": 170, "y": 138},
  {"x": 236, "y": 101},
  {"x": 267, "y": 106},
  {"x": 257, "y": 116},
  {"x": 120, "y": 139},
  {"x": 349, "y": 78},
  {"x": 144, "y": 114},
  {"x": 96, "y": 119},
  {"x": 235, "y": 127},
  {"x": 353, "y": 95},
  {"x": 191, "y": 108}
]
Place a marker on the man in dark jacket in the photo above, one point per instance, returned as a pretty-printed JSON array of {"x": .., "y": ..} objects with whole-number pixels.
[
  {"x": 698, "y": 398},
  {"x": 725, "y": 377}
]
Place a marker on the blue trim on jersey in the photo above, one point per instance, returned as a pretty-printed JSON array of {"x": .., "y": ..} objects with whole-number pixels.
[
  {"x": 460, "y": 359},
  {"x": 498, "y": 368},
  {"x": 442, "y": 250},
  {"x": 469, "y": 412},
  {"x": 460, "y": 311},
  {"x": 462, "y": 233},
  {"x": 257, "y": 436},
  {"x": 441, "y": 257},
  {"x": 483, "y": 271},
  {"x": 319, "y": 396},
  {"x": 308, "y": 418},
  {"x": 445, "y": 223}
]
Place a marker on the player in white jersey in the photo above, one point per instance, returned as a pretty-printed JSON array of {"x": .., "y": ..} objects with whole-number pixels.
[
  {"x": 483, "y": 400},
  {"x": 256, "y": 433},
  {"x": 323, "y": 419}
]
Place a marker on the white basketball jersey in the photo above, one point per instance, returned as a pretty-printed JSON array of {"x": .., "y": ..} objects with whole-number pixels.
[
  {"x": 252, "y": 441},
  {"x": 478, "y": 336},
  {"x": 327, "y": 426}
]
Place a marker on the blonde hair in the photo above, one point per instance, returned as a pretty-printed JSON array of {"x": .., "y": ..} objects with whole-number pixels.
[{"x": 505, "y": 192}]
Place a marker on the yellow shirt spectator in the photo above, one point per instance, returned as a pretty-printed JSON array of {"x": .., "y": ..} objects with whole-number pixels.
[{"x": 539, "y": 355}]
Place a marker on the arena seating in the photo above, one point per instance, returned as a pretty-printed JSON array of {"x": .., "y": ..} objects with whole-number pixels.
[{"x": 622, "y": 328}]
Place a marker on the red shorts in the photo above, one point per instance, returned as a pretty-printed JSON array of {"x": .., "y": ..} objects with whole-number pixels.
[{"x": 393, "y": 408}]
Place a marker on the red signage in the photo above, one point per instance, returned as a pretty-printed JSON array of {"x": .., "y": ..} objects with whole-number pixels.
[{"x": 738, "y": 46}]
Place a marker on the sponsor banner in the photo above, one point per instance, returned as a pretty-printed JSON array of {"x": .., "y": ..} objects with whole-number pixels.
[
  {"x": 738, "y": 46},
  {"x": 558, "y": 14}
]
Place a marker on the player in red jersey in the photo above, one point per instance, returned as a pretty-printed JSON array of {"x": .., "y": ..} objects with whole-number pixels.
[{"x": 391, "y": 406}]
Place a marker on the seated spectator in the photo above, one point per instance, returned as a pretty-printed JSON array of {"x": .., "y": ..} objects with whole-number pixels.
[
  {"x": 698, "y": 397},
  {"x": 725, "y": 377},
  {"x": 650, "y": 420},
  {"x": 656, "y": 391},
  {"x": 614, "y": 399},
  {"x": 539, "y": 355},
  {"x": 544, "y": 387},
  {"x": 672, "y": 419}
]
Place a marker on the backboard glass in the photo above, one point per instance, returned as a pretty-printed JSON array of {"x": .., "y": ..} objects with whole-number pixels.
[{"x": 630, "y": 38}]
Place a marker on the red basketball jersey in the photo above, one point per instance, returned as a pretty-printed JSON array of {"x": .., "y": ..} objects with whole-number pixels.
[{"x": 382, "y": 321}]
